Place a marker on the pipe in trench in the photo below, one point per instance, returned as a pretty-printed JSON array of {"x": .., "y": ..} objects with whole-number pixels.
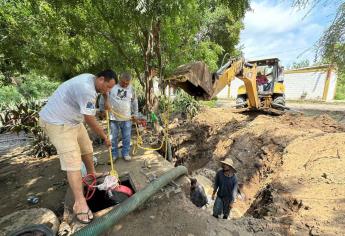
[{"x": 101, "y": 224}]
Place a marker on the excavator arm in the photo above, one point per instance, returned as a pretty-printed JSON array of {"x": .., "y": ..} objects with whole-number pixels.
[{"x": 195, "y": 79}]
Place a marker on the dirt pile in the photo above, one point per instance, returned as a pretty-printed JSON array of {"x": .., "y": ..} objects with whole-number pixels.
[
  {"x": 178, "y": 216},
  {"x": 279, "y": 161}
]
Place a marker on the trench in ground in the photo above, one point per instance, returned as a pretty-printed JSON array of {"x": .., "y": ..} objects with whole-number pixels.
[{"x": 259, "y": 156}]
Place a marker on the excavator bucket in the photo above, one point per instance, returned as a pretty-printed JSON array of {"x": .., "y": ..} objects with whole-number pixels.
[{"x": 195, "y": 79}]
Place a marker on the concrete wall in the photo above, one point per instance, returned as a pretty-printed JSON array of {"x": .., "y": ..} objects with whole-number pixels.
[{"x": 310, "y": 83}]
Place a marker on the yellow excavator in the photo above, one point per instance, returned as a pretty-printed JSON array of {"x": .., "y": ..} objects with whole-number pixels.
[{"x": 263, "y": 82}]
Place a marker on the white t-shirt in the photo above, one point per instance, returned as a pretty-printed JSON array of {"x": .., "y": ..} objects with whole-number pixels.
[
  {"x": 121, "y": 100},
  {"x": 73, "y": 99}
]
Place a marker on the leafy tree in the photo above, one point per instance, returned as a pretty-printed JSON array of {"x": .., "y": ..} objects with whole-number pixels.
[
  {"x": 331, "y": 46},
  {"x": 148, "y": 37},
  {"x": 300, "y": 64}
]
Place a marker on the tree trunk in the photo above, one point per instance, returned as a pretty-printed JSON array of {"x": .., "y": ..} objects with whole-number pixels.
[
  {"x": 147, "y": 60},
  {"x": 158, "y": 52}
]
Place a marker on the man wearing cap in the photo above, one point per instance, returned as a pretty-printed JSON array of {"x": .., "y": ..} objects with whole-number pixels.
[{"x": 226, "y": 188}]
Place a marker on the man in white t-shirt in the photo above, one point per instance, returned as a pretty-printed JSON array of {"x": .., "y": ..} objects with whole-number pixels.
[
  {"x": 62, "y": 120},
  {"x": 124, "y": 104}
]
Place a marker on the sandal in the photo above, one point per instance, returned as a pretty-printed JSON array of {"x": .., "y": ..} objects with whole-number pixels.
[{"x": 84, "y": 213}]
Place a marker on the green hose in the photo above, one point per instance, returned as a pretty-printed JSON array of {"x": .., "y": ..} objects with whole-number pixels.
[{"x": 100, "y": 225}]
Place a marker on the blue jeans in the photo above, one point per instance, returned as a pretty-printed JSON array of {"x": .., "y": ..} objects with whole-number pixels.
[
  {"x": 126, "y": 130},
  {"x": 221, "y": 205}
]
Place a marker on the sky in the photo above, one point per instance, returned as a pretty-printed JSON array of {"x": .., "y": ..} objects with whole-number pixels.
[{"x": 274, "y": 29}]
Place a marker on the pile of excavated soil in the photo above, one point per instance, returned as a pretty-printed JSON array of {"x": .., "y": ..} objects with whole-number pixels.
[
  {"x": 178, "y": 216},
  {"x": 290, "y": 165}
]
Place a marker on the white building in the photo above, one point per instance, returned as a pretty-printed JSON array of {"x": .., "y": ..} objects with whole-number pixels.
[{"x": 311, "y": 83}]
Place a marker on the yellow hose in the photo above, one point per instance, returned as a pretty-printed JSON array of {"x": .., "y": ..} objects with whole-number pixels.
[
  {"x": 113, "y": 171},
  {"x": 139, "y": 142}
]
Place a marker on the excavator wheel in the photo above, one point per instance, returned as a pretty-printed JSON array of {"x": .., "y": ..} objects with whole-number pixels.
[
  {"x": 241, "y": 101},
  {"x": 279, "y": 100}
]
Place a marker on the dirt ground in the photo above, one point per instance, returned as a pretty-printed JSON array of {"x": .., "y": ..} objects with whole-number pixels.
[
  {"x": 290, "y": 167},
  {"x": 335, "y": 109},
  {"x": 22, "y": 176}
]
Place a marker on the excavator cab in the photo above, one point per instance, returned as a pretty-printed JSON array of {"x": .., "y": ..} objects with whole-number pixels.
[{"x": 269, "y": 83}]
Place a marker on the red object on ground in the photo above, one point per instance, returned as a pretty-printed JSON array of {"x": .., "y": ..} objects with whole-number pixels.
[
  {"x": 142, "y": 122},
  {"x": 124, "y": 189},
  {"x": 90, "y": 187}
]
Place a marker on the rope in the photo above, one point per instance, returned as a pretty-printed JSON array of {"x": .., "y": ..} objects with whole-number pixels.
[
  {"x": 113, "y": 171},
  {"x": 139, "y": 142}
]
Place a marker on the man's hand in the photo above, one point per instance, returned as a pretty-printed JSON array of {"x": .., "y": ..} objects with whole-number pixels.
[
  {"x": 231, "y": 205},
  {"x": 107, "y": 142},
  {"x": 134, "y": 119},
  {"x": 92, "y": 123},
  {"x": 102, "y": 115},
  {"x": 107, "y": 106}
]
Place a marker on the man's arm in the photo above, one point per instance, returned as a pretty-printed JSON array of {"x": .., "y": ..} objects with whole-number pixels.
[
  {"x": 203, "y": 194},
  {"x": 216, "y": 185},
  {"x": 234, "y": 191},
  {"x": 91, "y": 121}
]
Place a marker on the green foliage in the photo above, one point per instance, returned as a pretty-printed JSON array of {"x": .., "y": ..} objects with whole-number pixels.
[
  {"x": 340, "y": 92},
  {"x": 164, "y": 104},
  {"x": 63, "y": 38},
  {"x": 139, "y": 90},
  {"x": 211, "y": 103},
  {"x": 182, "y": 103},
  {"x": 186, "y": 104},
  {"x": 331, "y": 46},
  {"x": 222, "y": 27},
  {"x": 300, "y": 64},
  {"x": 30, "y": 87},
  {"x": 140, "y": 93},
  {"x": 37, "y": 87},
  {"x": 332, "y": 43},
  {"x": 23, "y": 117},
  {"x": 9, "y": 94}
]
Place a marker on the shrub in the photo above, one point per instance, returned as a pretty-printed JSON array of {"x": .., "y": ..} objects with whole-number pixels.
[
  {"x": 9, "y": 95},
  {"x": 23, "y": 117},
  {"x": 186, "y": 104},
  {"x": 37, "y": 87}
]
